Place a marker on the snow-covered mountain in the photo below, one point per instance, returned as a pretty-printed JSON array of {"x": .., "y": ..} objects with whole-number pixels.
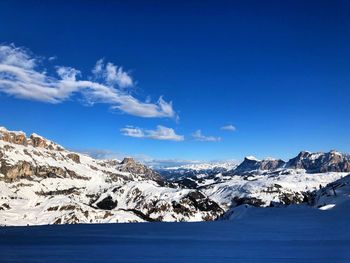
[
  {"x": 270, "y": 182},
  {"x": 332, "y": 161},
  {"x": 191, "y": 175},
  {"x": 43, "y": 183},
  {"x": 226, "y": 165},
  {"x": 252, "y": 165}
]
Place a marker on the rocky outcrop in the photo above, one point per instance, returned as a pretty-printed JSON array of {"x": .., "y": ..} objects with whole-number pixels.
[
  {"x": 74, "y": 157},
  {"x": 38, "y": 141},
  {"x": 248, "y": 164},
  {"x": 332, "y": 161},
  {"x": 16, "y": 137},
  {"x": 251, "y": 164},
  {"x": 129, "y": 165},
  {"x": 19, "y": 137},
  {"x": 24, "y": 169},
  {"x": 203, "y": 203},
  {"x": 107, "y": 203},
  {"x": 21, "y": 169},
  {"x": 271, "y": 164}
]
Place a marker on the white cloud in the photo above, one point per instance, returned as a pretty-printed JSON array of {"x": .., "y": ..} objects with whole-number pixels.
[
  {"x": 133, "y": 132},
  {"x": 67, "y": 73},
  {"x": 101, "y": 154},
  {"x": 228, "y": 128},
  {"x": 52, "y": 58},
  {"x": 198, "y": 136},
  {"x": 112, "y": 74},
  {"x": 161, "y": 133},
  {"x": 11, "y": 55},
  {"x": 164, "y": 133},
  {"x": 21, "y": 77}
]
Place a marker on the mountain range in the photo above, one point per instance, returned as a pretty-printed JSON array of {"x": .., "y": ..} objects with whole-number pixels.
[{"x": 41, "y": 182}]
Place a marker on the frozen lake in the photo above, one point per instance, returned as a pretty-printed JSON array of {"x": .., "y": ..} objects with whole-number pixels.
[{"x": 260, "y": 235}]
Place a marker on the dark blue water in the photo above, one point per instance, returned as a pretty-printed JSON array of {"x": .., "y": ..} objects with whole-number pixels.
[{"x": 301, "y": 239}]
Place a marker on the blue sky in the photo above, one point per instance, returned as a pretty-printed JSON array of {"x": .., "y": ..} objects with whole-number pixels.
[{"x": 171, "y": 75}]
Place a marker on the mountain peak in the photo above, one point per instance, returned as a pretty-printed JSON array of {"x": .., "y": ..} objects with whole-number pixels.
[
  {"x": 251, "y": 158},
  {"x": 35, "y": 140},
  {"x": 128, "y": 160}
]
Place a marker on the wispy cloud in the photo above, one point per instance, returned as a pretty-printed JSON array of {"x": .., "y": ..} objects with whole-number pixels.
[
  {"x": 22, "y": 76},
  {"x": 133, "y": 132},
  {"x": 101, "y": 153},
  {"x": 112, "y": 74},
  {"x": 164, "y": 163},
  {"x": 228, "y": 128},
  {"x": 198, "y": 136},
  {"x": 160, "y": 133}
]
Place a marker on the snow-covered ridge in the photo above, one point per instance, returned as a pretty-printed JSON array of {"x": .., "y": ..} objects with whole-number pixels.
[
  {"x": 20, "y": 138},
  {"x": 319, "y": 162},
  {"x": 228, "y": 165}
]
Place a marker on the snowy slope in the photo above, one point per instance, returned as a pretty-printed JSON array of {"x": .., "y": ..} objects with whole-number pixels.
[
  {"x": 265, "y": 190},
  {"x": 335, "y": 195}
]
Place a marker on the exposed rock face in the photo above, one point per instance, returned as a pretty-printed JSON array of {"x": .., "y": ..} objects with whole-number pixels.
[
  {"x": 38, "y": 141},
  {"x": 128, "y": 161},
  {"x": 19, "y": 170},
  {"x": 252, "y": 164},
  {"x": 271, "y": 164},
  {"x": 248, "y": 164},
  {"x": 13, "y": 137},
  {"x": 19, "y": 137},
  {"x": 110, "y": 163},
  {"x": 131, "y": 166},
  {"x": 23, "y": 169},
  {"x": 50, "y": 171},
  {"x": 203, "y": 203},
  {"x": 320, "y": 162},
  {"x": 107, "y": 203},
  {"x": 75, "y": 157}
]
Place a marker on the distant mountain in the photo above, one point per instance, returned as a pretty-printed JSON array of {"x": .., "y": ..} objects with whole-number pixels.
[
  {"x": 193, "y": 175},
  {"x": 198, "y": 170},
  {"x": 251, "y": 164},
  {"x": 332, "y": 161}
]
